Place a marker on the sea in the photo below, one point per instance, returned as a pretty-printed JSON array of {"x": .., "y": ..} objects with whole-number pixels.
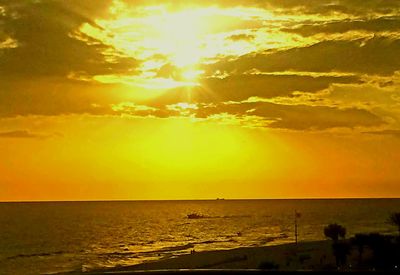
[{"x": 56, "y": 237}]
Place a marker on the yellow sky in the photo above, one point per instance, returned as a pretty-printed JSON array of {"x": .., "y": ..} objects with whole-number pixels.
[{"x": 199, "y": 99}]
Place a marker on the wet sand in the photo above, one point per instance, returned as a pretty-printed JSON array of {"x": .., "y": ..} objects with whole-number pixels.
[{"x": 303, "y": 256}]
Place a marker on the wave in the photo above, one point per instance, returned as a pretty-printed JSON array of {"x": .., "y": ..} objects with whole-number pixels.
[
  {"x": 123, "y": 254},
  {"x": 215, "y": 241},
  {"x": 270, "y": 239},
  {"x": 170, "y": 249},
  {"x": 235, "y": 216},
  {"x": 43, "y": 254},
  {"x": 198, "y": 216}
]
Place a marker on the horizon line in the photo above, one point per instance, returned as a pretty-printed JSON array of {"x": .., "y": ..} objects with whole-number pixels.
[{"x": 202, "y": 199}]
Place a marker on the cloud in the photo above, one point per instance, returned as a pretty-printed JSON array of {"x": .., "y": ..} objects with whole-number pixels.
[
  {"x": 132, "y": 109},
  {"x": 22, "y": 134},
  {"x": 373, "y": 25},
  {"x": 394, "y": 133},
  {"x": 350, "y": 7},
  {"x": 322, "y": 7},
  {"x": 366, "y": 94},
  {"x": 46, "y": 57},
  {"x": 261, "y": 114},
  {"x": 303, "y": 117},
  {"x": 42, "y": 31},
  {"x": 55, "y": 96},
  {"x": 242, "y": 36},
  {"x": 297, "y": 117},
  {"x": 371, "y": 56},
  {"x": 241, "y": 87}
]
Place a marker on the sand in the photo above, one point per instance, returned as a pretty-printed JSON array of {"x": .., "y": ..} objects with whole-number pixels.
[{"x": 303, "y": 256}]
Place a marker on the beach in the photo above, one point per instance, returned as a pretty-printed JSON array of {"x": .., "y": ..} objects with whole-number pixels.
[
  {"x": 315, "y": 255},
  {"x": 88, "y": 236}
]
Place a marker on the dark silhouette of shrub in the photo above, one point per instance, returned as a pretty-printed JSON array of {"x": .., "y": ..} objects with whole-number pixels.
[
  {"x": 341, "y": 250},
  {"x": 267, "y": 265},
  {"x": 334, "y": 231},
  {"x": 360, "y": 240},
  {"x": 395, "y": 220},
  {"x": 385, "y": 251}
]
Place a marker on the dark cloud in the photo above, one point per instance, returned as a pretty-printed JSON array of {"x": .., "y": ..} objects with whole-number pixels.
[
  {"x": 297, "y": 117},
  {"x": 395, "y": 133},
  {"x": 239, "y": 37},
  {"x": 291, "y": 117},
  {"x": 169, "y": 71},
  {"x": 45, "y": 45},
  {"x": 372, "y": 56},
  {"x": 240, "y": 87},
  {"x": 294, "y": 117},
  {"x": 353, "y": 7},
  {"x": 33, "y": 76},
  {"x": 373, "y": 25},
  {"x": 54, "y": 96},
  {"x": 303, "y": 117},
  {"x": 20, "y": 134}
]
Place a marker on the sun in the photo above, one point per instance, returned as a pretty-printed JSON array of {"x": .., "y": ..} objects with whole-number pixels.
[
  {"x": 178, "y": 35},
  {"x": 191, "y": 74},
  {"x": 162, "y": 36}
]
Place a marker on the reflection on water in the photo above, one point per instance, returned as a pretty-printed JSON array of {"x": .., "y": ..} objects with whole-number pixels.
[{"x": 54, "y": 237}]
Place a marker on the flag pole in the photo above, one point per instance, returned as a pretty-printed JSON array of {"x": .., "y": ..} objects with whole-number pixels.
[{"x": 295, "y": 225}]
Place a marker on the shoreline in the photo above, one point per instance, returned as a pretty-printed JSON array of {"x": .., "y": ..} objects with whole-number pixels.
[{"x": 310, "y": 255}]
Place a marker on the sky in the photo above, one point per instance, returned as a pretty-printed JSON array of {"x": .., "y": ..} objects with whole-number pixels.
[{"x": 142, "y": 100}]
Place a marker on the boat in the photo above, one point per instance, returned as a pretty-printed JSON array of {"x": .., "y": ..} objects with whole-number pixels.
[{"x": 194, "y": 216}]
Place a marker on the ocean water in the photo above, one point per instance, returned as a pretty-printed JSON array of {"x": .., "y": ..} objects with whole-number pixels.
[{"x": 52, "y": 237}]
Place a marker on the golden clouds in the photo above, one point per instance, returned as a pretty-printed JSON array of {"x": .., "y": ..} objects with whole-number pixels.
[
  {"x": 159, "y": 54},
  {"x": 184, "y": 39}
]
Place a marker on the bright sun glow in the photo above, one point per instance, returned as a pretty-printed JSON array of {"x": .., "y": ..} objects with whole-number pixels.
[
  {"x": 177, "y": 35},
  {"x": 181, "y": 39}
]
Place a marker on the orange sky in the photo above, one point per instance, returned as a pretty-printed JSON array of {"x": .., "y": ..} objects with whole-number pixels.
[{"x": 178, "y": 100}]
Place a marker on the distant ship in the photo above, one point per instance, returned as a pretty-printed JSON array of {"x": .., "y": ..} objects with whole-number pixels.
[{"x": 220, "y": 199}]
